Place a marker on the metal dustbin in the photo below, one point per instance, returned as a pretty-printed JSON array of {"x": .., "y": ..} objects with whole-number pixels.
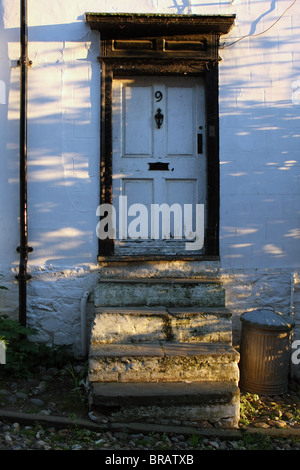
[{"x": 265, "y": 352}]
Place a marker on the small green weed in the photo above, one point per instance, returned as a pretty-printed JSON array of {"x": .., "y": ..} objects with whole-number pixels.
[
  {"x": 165, "y": 443},
  {"x": 77, "y": 393},
  {"x": 195, "y": 440},
  {"x": 249, "y": 408},
  {"x": 257, "y": 441}
]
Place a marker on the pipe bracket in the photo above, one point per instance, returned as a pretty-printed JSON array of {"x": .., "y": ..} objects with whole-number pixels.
[
  {"x": 23, "y": 277},
  {"x": 24, "y": 249},
  {"x": 25, "y": 61}
]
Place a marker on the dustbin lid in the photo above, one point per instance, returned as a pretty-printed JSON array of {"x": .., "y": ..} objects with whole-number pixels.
[{"x": 267, "y": 318}]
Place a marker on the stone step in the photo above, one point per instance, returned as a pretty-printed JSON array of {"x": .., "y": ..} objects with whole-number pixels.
[
  {"x": 155, "y": 292},
  {"x": 163, "y": 362},
  {"x": 178, "y": 403},
  {"x": 141, "y": 324}
]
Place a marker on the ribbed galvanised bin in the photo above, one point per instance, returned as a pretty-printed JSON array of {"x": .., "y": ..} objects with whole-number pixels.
[{"x": 265, "y": 352}]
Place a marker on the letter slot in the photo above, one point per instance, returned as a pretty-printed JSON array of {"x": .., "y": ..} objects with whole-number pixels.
[{"x": 158, "y": 166}]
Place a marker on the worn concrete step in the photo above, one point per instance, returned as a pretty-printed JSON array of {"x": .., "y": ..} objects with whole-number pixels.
[
  {"x": 142, "y": 324},
  {"x": 155, "y": 292},
  {"x": 163, "y": 362},
  {"x": 167, "y": 403}
]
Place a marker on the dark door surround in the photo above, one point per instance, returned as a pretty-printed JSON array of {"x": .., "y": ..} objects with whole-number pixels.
[{"x": 174, "y": 45}]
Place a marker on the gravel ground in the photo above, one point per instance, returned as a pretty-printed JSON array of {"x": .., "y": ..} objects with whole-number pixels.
[
  {"x": 267, "y": 423},
  {"x": 17, "y": 437}
]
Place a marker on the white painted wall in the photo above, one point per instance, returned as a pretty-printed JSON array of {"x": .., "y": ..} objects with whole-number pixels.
[{"x": 259, "y": 153}]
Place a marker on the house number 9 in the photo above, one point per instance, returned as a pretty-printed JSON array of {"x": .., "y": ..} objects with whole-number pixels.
[{"x": 158, "y": 96}]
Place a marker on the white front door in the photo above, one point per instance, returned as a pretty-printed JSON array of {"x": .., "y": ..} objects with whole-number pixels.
[{"x": 159, "y": 165}]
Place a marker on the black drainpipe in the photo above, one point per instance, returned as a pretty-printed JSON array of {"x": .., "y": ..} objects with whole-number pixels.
[{"x": 23, "y": 249}]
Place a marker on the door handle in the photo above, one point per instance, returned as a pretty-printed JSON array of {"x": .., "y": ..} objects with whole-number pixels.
[{"x": 199, "y": 143}]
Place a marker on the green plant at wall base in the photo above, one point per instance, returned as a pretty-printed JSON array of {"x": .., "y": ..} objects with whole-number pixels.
[
  {"x": 249, "y": 408},
  {"x": 18, "y": 348},
  {"x": 78, "y": 383},
  {"x": 23, "y": 355}
]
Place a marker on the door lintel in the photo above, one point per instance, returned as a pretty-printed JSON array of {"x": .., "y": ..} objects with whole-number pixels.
[
  {"x": 126, "y": 25},
  {"x": 175, "y": 38}
]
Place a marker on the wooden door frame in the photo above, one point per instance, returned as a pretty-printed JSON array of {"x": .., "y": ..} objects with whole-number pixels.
[{"x": 176, "y": 45}]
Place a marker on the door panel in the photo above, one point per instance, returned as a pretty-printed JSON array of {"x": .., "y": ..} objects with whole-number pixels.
[
  {"x": 137, "y": 111},
  {"x": 139, "y": 194},
  {"x": 156, "y": 122},
  {"x": 181, "y": 121}
]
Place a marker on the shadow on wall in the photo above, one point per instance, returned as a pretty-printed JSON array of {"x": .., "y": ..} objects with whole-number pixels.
[
  {"x": 183, "y": 7},
  {"x": 259, "y": 155},
  {"x": 9, "y": 145},
  {"x": 186, "y": 6},
  {"x": 63, "y": 142}
]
